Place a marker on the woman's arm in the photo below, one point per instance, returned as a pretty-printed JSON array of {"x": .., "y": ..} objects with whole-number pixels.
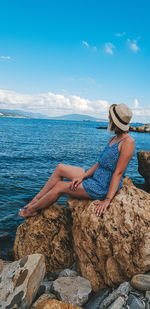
[
  {"x": 126, "y": 153},
  {"x": 78, "y": 180}
]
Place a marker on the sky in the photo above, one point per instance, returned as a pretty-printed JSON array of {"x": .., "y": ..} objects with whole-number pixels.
[{"x": 75, "y": 56}]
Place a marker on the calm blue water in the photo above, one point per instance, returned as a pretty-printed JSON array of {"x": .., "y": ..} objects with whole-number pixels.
[{"x": 30, "y": 149}]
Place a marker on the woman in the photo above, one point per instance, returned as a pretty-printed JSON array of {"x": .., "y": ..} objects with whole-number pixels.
[{"x": 101, "y": 181}]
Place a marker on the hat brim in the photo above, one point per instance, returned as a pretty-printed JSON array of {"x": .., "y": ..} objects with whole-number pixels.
[{"x": 123, "y": 127}]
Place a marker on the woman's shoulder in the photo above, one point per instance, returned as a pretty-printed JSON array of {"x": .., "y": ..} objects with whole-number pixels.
[{"x": 127, "y": 143}]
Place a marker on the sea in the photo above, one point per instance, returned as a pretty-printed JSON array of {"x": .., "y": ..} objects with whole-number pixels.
[{"x": 30, "y": 150}]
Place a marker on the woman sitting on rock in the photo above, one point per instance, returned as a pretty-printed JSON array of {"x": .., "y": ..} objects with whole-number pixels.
[{"x": 102, "y": 180}]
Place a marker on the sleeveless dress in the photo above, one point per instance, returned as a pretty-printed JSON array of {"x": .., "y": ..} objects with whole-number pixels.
[{"x": 97, "y": 186}]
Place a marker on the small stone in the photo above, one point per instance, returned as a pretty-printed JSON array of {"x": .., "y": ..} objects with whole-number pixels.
[
  {"x": 42, "y": 298},
  {"x": 53, "y": 304},
  {"x": 72, "y": 290},
  {"x": 135, "y": 303},
  {"x": 97, "y": 299},
  {"x": 123, "y": 290},
  {"x": 147, "y": 295},
  {"x": 141, "y": 282},
  {"x": 68, "y": 273},
  {"x": 118, "y": 303},
  {"x": 45, "y": 287}
]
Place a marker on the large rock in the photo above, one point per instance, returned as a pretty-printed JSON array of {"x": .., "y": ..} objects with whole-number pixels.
[
  {"x": 113, "y": 248},
  {"x": 48, "y": 233},
  {"x": 144, "y": 165},
  {"x": 20, "y": 280},
  {"x": 141, "y": 129},
  {"x": 72, "y": 290}
]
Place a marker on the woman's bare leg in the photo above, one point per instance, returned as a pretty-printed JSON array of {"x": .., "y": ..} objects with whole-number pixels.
[
  {"x": 51, "y": 196},
  {"x": 62, "y": 171}
]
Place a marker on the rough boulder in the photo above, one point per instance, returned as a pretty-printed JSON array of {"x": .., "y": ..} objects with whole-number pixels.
[
  {"x": 113, "y": 248},
  {"x": 49, "y": 233},
  {"x": 144, "y": 165}
]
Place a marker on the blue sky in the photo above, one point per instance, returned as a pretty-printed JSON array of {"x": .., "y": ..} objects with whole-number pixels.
[{"x": 59, "y": 57}]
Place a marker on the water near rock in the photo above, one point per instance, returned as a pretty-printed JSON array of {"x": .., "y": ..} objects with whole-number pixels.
[{"x": 20, "y": 280}]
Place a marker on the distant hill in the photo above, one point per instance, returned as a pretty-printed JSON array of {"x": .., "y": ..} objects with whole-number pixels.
[
  {"x": 23, "y": 114},
  {"x": 78, "y": 117}
]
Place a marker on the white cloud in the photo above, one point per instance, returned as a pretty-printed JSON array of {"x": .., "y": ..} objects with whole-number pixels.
[
  {"x": 120, "y": 34},
  {"x": 109, "y": 48},
  {"x": 51, "y": 104},
  {"x": 5, "y": 57},
  {"x": 133, "y": 45},
  {"x": 85, "y": 44}
]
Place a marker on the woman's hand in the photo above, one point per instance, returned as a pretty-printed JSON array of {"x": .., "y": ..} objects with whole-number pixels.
[
  {"x": 100, "y": 207},
  {"x": 75, "y": 182}
]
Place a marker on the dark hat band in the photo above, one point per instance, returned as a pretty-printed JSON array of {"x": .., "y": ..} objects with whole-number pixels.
[{"x": 117, "y": 116}]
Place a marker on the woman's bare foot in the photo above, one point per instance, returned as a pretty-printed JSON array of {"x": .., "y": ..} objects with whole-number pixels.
[
  {"x": 35, "y": 200},
  {"x": 27, "y": 213}
]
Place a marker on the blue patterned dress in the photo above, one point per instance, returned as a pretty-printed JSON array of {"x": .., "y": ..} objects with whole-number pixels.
[{"x": 97, "y": 186}]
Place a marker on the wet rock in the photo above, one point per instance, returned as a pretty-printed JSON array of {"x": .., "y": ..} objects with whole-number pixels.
[
  {"x": 20, "y": 280},
  {"x": 97, "y": 299},
  {"x": 144, "y": 165},
  {"x": 135, "y": 303},
  {"x": 122, "y": 290},
  {"x": 43, "y": 298},
  {"x": 104, "y": 245},
  {"x": 72, "y": 290},
  {"x": 141, "y": 129},
  {"x": 68, "y": 273},
  {"x": 147, "y": 295},
  {"x": 53, "y": 304},
  {"x": 118, "y": 303},
  {"x": 141, "y": 282},
  {"x": 48, "y": 233}
]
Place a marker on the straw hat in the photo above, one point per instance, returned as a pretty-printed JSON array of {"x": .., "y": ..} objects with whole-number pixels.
[{"x": 121, "y": 116}]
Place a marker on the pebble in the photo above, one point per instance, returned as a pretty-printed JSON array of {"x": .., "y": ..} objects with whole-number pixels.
[
  {"x": 97, "y": 299},
  {"x": 123, "y": 290},
  {"x": 68, "y": 273},
  {"x": 141, "y": 282},
  {"x": 118, "y": 303}
]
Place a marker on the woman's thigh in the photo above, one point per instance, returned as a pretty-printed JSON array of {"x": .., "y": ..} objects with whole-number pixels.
[
  {"x": 78, "y": 193},
  {"x": 69, "y": 172}
]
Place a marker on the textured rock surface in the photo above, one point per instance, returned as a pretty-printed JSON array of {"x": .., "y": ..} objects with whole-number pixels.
[
  {"x": 68, "y": 273},
  {"x": 49, "y": 233},
  {"x": 141, "y": 282},
  {"x": 43, "y": 298},
  {"x": 20, "y": 280},
  {"x": 72, "y": 290},
  {"x": 141, "y": 129},
  {"x": 144, "y": 165},
  {"x": 55, "y": 304},
  {"x": 113, "y": 248}
]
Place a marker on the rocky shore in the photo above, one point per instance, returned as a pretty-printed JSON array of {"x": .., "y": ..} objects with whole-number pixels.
[
  {"x": 69, "y": 258},
  {"x": 141, "y": 129}
]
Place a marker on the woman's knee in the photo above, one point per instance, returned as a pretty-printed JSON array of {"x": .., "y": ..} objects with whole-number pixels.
[
  {"x": 59, "y": 169},
  {"x": 62, "y": 187}
]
